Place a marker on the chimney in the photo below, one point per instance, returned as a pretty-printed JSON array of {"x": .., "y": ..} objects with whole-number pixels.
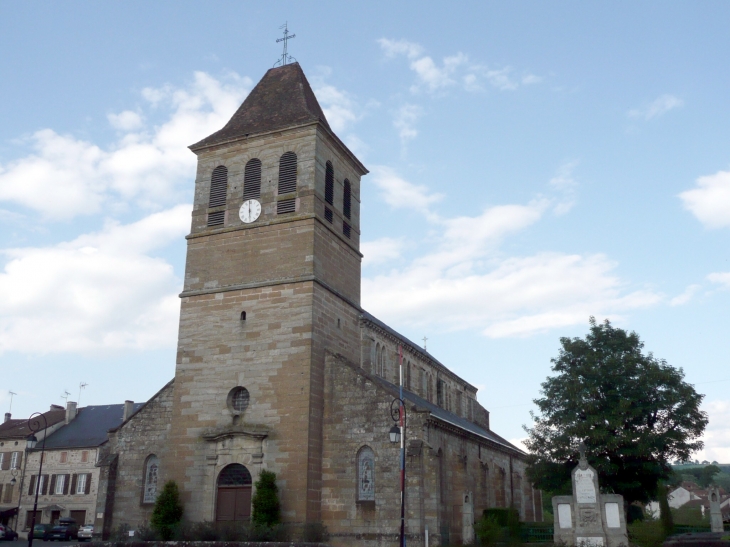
[
  {"x": 7, "y": 417},
  {"x": 70, "y": 411},
  {"x": 128, "y": 409}
]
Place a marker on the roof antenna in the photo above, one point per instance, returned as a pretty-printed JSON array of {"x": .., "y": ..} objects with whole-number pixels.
[
  {"x": 285, "y": 57},
  {"x": 82, "y": 385},
  {"x": 65, "y": 396},
  {"x": 11, "y": 393}
]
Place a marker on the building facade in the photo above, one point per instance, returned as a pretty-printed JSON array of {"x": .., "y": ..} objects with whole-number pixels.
[{"x": 279, "y": 367}]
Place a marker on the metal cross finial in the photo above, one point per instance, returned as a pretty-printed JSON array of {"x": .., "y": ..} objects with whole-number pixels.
[
  {"x": 285, "y": 57},
  {"x": 424, "y": 343}
]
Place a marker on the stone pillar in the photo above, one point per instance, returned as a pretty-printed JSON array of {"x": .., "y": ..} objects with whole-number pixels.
[{"x": 715, "y": 512}]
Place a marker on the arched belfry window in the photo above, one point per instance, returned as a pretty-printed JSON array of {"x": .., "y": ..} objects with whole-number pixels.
[
  {"x": 287, "y": 182},
  {"x": 252, "y": 180},
  {"x": 329, "y": 190},
  {"x": 366, "y": 474},
  {"x": 346, "y": 207},
  {"x": 151, "y": 474},
  {"x": 218, "y": 192},
  {"x": 233, "y": 500}
]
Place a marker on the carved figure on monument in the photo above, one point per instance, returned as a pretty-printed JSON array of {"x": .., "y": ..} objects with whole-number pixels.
[{"x": 599, "y": 518}]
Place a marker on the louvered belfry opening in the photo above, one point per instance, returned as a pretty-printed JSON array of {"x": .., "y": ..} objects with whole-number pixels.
[
  {"x": 329, "y": 190},
  {"x": 347, "y": 200},
  {"x": 218, "y": 192},
  {"x": 287, "y": 182},
  {"x": 288, "y": 173},
  {"x": 252, "y": 180}
]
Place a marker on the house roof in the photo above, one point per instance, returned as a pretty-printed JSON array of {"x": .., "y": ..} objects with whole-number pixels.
[
  {"x": 89, "y": 428},
  {"x": 19, "y": 429},
  {"x": 283, "y": 98}
]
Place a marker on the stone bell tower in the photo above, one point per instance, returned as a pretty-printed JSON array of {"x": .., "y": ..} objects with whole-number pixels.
[{"x": 272, "y": 280}]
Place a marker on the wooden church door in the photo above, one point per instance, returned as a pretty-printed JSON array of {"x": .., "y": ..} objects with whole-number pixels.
[{"x": 233, "y": 500}]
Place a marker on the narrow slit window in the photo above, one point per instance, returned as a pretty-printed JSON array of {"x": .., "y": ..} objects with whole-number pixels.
[
  {"x": 252, "y": 180},
  {"x": 287, "y": 173}
]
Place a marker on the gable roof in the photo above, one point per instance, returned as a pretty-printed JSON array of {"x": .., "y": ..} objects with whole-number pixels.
[
  {"x": 18, "y": 429},
  {"x": 283, "y": 98},
  {"x": 89, "y": 428}
]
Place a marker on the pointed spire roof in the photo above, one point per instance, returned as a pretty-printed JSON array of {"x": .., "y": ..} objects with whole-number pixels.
[{"x": 283, "y": 98}]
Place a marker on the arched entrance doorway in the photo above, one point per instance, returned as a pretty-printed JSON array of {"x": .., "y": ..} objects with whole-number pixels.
[{"x": 234, "y": 494}]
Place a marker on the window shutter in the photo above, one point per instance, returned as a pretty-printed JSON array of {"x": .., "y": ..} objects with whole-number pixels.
[
  {"x": 216, "y": 218},
  {"x": 287, "y": 173},
  {"x": 65, "y": 484},
  {"x": 218, "y": 186},
  {"x": 31, "y": 488},
  {"x": 5, "y": 458},
  {"x": 73, "y": 484},
  {"x": 8, "y": 493},
  {"x": 20, "y": 459},
  {"x": 285, "y": 206},
  {"x": 252, "y": 180},
  {"x": 52, "y": 488},
  {"x": 45, "y": 485},
  {"x": 88, "y": 483},
  {"x": 346, "y": 229},
  {"x": 1, "y": 491}
]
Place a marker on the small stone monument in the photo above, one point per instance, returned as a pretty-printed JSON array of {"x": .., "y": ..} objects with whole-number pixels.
[
  {"x": 589, "y": 518},
  {"x": 715, "y": 511}
]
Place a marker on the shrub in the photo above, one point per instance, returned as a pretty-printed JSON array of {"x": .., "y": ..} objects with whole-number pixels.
[
  {"x": 647, "y": 533},
  {"x": 168, "y": 511},
  {"x": 488, "y": 530},
  {"x": 315, "y": 532},
  {"x": 266, "y": 508}
]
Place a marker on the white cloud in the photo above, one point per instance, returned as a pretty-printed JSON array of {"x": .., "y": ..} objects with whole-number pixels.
[
  {"x": 392, "y": 48},
  {"x": 464, "y": 282},
  {"x": 658, "y": 107},
  {"x": 709, "y": 201},
  {"x": 717, "y": 434},
  {"x": 65, "y": 177},
  {"x": 435, "y": 76},
  {"x": 126, "y": 121},
  {"x": 564, "y": 183},
  {"x": 401, "y": 194},
  {"x": 405, "y": 120},
  {"x": 100, "y": 291},
  {"x": 722, "y": 278},
  {"x": 686, "y": 296},
  {"x": 338, "y": 107},
  {"x": 379, "y": 251}
]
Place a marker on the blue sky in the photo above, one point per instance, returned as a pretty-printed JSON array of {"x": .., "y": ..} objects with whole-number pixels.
[{"x": 532, "y": 164}]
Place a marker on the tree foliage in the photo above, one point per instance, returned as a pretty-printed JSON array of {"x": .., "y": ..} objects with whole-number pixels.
[
  {"x": 634, "y": 412},
  {"x": 266, "y": 508},
  {"x": 168, "y": 511}
]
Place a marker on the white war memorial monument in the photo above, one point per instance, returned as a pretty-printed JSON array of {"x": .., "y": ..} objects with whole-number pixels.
[{"x": 589, "y": 518}]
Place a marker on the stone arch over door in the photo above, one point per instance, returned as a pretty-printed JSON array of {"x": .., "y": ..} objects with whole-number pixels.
[{"x": 233, "y": 497}]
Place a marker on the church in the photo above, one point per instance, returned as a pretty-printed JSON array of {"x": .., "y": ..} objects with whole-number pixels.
[{"x": 279, "y": 367}]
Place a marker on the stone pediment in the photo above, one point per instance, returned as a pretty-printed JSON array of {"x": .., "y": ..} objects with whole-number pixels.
[{"x": 251, "y": 431}]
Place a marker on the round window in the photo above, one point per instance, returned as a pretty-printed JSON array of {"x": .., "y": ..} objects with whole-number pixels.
[{"x": 238, "y": 399}]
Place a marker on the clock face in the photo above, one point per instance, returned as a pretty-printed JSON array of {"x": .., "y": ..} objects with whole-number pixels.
[{"x": 249, "y": 211}]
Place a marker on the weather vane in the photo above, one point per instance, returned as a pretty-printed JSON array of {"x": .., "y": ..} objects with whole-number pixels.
[{"x": 285, "y": 57}]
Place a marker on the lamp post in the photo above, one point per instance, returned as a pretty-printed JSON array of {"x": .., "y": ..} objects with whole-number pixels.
[
  {"x": 398, "y": 435},
  {"x": 34, "y": 424}
]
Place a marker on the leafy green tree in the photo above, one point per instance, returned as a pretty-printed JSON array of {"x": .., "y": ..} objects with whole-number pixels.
[
  {"x": 266, "y": 507},
  {"x": 168, "y": 511},
  {"x": 634, "y": 412}
]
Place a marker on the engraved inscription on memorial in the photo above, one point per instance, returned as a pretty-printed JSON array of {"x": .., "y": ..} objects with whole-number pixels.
[
  {"x": 588, "y": 516},
  {"x": 564, "y": 517},
  {"x": 585, "y": 491}
]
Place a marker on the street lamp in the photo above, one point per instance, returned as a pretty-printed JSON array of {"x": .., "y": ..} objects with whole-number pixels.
[
  {"x": 34, "y": 424},
  {"x": 398, "y": 435}
]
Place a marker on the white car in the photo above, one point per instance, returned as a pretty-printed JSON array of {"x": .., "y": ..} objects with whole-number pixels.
[{"x": 86, "y": 532}]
